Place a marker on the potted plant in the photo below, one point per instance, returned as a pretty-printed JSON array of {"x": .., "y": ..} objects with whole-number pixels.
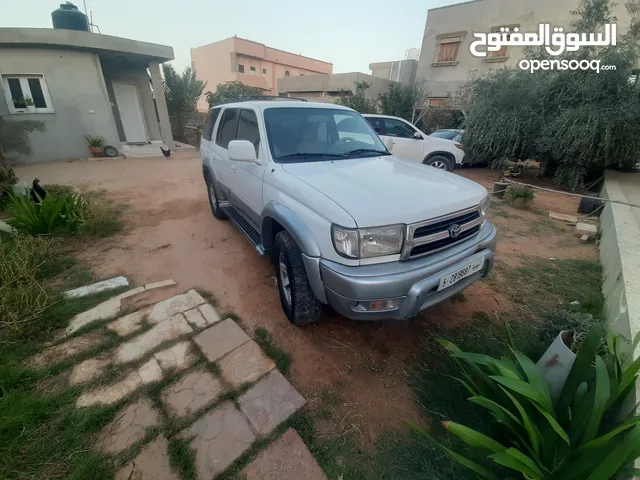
[
  {"x": 95, "y": 145},
  {"x": 520, "y": 196},
  {"x": 25, "y": 102}
]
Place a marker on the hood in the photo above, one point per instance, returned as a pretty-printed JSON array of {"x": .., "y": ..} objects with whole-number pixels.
[{"x": 386, "y": 190}]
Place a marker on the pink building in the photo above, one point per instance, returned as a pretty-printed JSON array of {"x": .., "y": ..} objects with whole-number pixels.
[{"x": 251, "y": 63}]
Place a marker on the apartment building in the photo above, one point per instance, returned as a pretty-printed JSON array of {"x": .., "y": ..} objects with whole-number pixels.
[
  {"x": 446, "y": 62},
  {"x": 251, "y": 63}
]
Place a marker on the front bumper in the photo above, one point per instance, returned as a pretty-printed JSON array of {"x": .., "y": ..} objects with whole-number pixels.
[{"x": 414, "y": 282}]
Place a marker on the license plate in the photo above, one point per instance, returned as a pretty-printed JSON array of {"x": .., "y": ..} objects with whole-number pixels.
[{"x": 455, "y": 277}]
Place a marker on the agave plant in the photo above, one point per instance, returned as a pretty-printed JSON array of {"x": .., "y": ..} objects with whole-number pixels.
[
  {"x": 583, "y": 434},
  {"x": 64, "y": 213}
]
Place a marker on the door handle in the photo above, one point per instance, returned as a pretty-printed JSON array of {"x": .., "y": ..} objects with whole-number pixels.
[{"x": 233, "y": 168}]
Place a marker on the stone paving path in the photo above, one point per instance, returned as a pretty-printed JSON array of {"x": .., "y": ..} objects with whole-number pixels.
[{"x": 215, "y": 389}]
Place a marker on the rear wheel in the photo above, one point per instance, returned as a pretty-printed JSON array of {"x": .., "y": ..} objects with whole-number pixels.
[
  {"x": 298, "y": 302},
  {"x": 213, "y": 200},
  {"x": 440, "y": 161}
]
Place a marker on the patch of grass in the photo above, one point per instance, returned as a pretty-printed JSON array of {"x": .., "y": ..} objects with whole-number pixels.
[
  {"x": 57, "y": 189},
  {"x": 182, "y": 458},
  {"x": 281, "y": 358}
]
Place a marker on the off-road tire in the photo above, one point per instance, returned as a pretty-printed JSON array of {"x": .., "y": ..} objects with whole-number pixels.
[
  {"x": 440, "y": 159},
  {"x": 304, "y": 307},
  {"x": 213, "y": 202}
]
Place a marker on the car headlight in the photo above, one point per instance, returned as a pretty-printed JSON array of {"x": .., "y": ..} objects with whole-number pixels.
[
  {"x": 484, "y": 209},
  {"x": 367, "y": 242}
]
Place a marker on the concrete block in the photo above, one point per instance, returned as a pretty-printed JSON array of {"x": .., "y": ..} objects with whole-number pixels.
[
  {"x": 150, "y": 371},
  {"x": 129, "y": 323},
  {"x": 171, "y": 306},
  {"x": 102, "y": 311},
  {"x": 586, "y": 229},
  {"x": 191, "y": 393},
  {"x": 151, "y": 464},
  {"x": 98, "y": 287},
  {"x": 195, "y": 318},
  {"x": 139, "y": 346},
  {"x": 177, "y": 357},
  {"x": 162, "y": 284},
  {"x": 209, "y": 313},
  {"x": 88, "y": 370},
  {"x": 563, "y": 217},
  {"x": 67, "y": 349},
  {"x": 584, "y": 238},
  {"x": 270, "y": 402},
  {"x": 288, "y": 458},
  {"x": 222, "y": 338},
  {"x": 245, "y": 364},
  {"x": 218, "y": 438},
  {"x": 111, "y": 394},
  {"x": 130, "y": 426}
]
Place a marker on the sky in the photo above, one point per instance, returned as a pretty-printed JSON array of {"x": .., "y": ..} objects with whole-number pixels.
[{"x": 351, "y": 34}]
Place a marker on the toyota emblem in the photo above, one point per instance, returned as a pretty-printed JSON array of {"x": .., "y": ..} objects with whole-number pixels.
[{"x": 454, "y": 230}]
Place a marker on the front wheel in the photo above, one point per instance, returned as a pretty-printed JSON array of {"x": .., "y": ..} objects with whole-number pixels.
[
  {"x": 441, "y": 162},
  {"x": 213, "y": 200},
  {"x": 298, "y": 302}
]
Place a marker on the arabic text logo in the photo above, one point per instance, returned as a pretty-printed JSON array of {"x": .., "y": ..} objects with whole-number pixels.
[{"x": 555, "y": 43}]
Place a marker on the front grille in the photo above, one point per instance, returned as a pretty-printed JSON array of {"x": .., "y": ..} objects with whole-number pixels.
[
  {"x": 430, "y": 236},
  {"x": 438, "y": 244},
  {"x": 445, "y": 224}
]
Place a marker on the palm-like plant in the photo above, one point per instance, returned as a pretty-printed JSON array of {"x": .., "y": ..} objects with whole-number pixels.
[
  {"x": 182, "y": 92},
  {"x": 582, "y": 434}
]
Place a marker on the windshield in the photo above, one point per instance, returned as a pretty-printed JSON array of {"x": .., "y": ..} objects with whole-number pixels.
[
  {"x": 449, "y": 135},
  {"x": 312, "y": 134}
]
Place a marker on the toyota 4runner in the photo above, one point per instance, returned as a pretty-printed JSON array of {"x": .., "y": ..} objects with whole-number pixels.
[{"x": 345, "y": 223}]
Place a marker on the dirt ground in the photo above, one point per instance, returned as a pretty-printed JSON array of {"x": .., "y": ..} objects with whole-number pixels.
[{"x": 170, "y": 233}]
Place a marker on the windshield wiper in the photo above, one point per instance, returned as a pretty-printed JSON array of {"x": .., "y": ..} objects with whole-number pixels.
[
  {"x": 309, "y": 155},
  {"x": 358, "y": 151}
]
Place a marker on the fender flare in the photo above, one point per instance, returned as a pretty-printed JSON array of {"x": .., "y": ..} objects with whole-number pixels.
[{"x": 292, "y": 223}]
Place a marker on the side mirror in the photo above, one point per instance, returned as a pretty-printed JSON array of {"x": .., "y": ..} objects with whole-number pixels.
[
  {"x": 388, "y": 142},
  {"x": 242, "y": 151},
  {"x": 417, "y": 136}
]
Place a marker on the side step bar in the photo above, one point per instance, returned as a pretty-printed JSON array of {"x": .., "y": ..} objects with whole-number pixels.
[{"x": 246, "y": 226}]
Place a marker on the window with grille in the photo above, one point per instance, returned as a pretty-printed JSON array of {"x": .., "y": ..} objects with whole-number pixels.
[
  {"x": 27, "y": 94},
  {"x": 448, "y": 48}
]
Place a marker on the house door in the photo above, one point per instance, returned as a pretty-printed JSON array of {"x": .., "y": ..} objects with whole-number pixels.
[{"x": 130, "y": 112}]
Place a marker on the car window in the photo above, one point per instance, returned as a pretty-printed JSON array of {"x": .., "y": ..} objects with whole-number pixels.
[
  {"x": 376, "y": 123},
  {"x": 396, "y": 128},
  {"x": 227, "y": 127},
  {"x": 207, "y": 130},
  {"x": 248, "y": 128},
  {"x": 317, "y": 132},
  {"x": 444, "y": 134}
]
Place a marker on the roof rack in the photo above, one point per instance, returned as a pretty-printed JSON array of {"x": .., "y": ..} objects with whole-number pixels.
[{"x": 249, "y": 98}]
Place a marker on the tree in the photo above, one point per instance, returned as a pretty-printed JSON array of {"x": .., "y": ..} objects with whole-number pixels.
[
  {"x": 576, "y": 122},
  {"x": 405, "y": 101},
  {"x": 230, "y": 91},
  {"x": 182, "y": 92},
  {"x": 358, "y": 101},
  {"x": 14, "y": 136}
]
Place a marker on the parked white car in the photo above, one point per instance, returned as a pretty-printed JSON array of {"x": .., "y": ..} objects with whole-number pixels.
[
  {"x": 345, "y": 222},
  {"x": 406, "y": 141}
]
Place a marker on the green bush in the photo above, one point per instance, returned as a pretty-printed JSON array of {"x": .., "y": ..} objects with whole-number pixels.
[
  {"x": 7, "y": 180},
  {"x": 54, "y": 214},
  {"x": 521, "y": 192},
  {"x": 583, "y": 433}
]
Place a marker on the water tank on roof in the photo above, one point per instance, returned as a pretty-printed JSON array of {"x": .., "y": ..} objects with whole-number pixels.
[{"x": 69, "y": 17}]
